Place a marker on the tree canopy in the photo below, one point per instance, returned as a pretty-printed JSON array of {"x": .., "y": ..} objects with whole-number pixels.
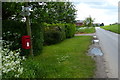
[
  {"x": 89, "y": 21},
  {"x": 48, "y": 12}
]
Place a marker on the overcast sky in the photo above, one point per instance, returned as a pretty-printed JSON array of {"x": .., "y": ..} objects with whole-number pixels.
[{"x": 104, "y": 11}]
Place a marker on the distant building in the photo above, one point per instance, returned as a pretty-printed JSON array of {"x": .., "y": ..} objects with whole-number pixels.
[{"x": 79, "y": 22}]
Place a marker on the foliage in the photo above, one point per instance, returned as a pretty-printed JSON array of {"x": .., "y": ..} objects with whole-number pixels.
[
  {"x": 12, "y": 31},
  {"x": 31, "y": 69},
  {"x": 89, "y": 21},
  {"x": 49, "y": 12},
  {"x": 70, "y": 30},
  {"x": 113, "y": 28},
  {"x": 67, "y": 59},
  {"x": 85, "y": 30},
  {"x": 53, "y": 12},
  {"x": 102, "y": 24},
  {"x": 37, "y": 37},
  {"x": 54, "y": 33},
  {"x": 96, "y": 25},
  {"x": 11, "y": 63},
  {"x": 11, "y": 9}
]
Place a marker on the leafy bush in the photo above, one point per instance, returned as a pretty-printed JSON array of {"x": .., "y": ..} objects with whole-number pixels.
[
  {"x": 12, "y": 32},
  {"x": 70, "y": 30},
  {"x": 54, "y": 33}
]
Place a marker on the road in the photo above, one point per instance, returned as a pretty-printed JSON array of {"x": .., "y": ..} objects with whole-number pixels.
[{"x": 109, "y": 46}]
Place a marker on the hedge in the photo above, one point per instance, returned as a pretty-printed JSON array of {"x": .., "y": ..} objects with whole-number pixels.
[
  {"x": 53, "y": 33},
  {"x": 70, "y": 30}
]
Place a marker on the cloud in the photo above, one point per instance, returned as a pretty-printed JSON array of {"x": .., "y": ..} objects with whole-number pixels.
[
  {"x": 113, "y": 2},
  {"x": 86, "y": 0},
  {"x": 103, "y": 12}
]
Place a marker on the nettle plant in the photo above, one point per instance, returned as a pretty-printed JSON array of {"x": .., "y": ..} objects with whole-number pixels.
[{"x": 11, "y": 61}]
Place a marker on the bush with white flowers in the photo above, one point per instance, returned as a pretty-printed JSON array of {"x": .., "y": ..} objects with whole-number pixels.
[{"x": 11, "y": 63}]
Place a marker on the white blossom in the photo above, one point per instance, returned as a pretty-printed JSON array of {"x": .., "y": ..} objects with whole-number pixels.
[{"x": 12, "y": 62}]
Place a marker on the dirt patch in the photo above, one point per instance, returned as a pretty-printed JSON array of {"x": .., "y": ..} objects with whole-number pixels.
[
  {"x": 92, "y": 34},
  {"x": 100, "y": 71}
]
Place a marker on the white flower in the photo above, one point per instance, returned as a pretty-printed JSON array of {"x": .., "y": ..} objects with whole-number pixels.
[
  {"x": 3, "y": 71},
  {"x": 17, "y": 76},
  {"x": 7, "y": 56},
  {"x": 11, "y": 53},
  {"x": 17, "y": 62},
  {"x": 6, "y": 64},
  {"x": 12, "y": 62},
  {"x": 20, "y": 70},
  {"x": 18, "y": 53},
  {"x": 8, "y": 32},
  {"x": 9, "y": 70},
  {"x": 12, "y": 68}
]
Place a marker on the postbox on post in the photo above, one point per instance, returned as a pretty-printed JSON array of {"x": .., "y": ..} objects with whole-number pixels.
[{"x": 26, "y": 42}]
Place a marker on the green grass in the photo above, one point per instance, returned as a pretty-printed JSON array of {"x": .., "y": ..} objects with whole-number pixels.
[
  {"x": 67, "y": 59},
  {"x": 113, "y": 28},
  {"x": 86, "y": 30}
]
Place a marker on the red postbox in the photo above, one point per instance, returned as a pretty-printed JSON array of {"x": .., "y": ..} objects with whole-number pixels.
[{"x": 26, "y": 42}]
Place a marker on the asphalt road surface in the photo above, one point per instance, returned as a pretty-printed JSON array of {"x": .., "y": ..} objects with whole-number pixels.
[{"x": 109, "y": 46}]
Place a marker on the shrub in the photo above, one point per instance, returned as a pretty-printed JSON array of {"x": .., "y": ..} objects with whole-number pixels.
[
  {"x": 70, "y": 30},
  {"x": 12, "y": 32},
  {"x": 54, "y": 33}
]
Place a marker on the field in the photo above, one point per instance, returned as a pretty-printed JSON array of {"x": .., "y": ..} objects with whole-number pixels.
[{"x": 113, "y": 28}]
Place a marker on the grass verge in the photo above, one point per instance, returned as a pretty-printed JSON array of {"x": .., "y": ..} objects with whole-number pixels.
[
  {"x": 85, "y": 30},
  {"x": 67, "y": 59},
  {"x": 113, "y": 28}
]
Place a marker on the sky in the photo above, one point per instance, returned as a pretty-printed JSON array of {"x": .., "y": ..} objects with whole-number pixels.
[{"x": 103, "y": 11}]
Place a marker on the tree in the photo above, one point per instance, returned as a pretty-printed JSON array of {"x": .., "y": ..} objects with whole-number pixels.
[
  {"x": 53, "y": 12},
  {"x": 102, "y": 24},
  {"x": 48, "y": 12},
  {"x": 11, "y": 10},
  {"x": 89, "y": 21}
]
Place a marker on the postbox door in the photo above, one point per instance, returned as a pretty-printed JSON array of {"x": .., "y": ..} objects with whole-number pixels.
[{"x": 26, "y": 42}]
